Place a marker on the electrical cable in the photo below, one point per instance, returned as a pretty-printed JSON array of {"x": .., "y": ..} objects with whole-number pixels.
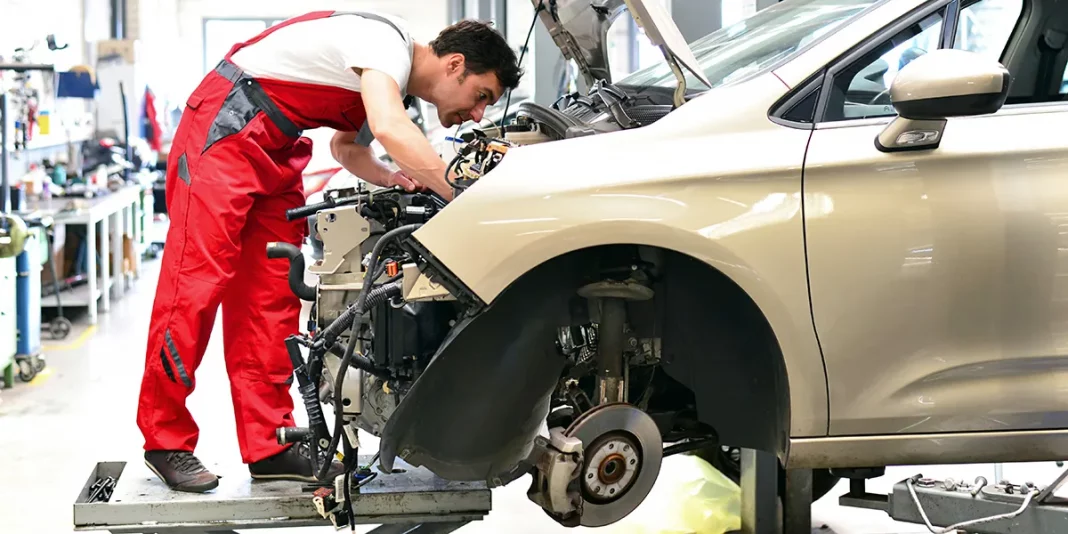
[
  {"x": 361, "y": 302},
  {"x": 448, "y": 173},
  {"x": 522, "y": 53},
  {"x": 960, "y": 526}
]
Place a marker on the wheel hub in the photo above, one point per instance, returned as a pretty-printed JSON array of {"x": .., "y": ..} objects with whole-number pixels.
[
  {"x": 622, "y": 450},
  {"x": 611, "y": 468}
]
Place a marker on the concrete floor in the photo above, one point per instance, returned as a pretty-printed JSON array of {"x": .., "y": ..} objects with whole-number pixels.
[{"x": 81, "y": 409}]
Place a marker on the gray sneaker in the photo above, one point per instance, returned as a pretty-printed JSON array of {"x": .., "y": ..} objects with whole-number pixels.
[
  {"x": 294, "y": 463},
  {"x": 181, "y": 471}
]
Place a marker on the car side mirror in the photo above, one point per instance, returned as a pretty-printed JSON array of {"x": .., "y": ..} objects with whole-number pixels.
[{"x": 938, "y": 85}]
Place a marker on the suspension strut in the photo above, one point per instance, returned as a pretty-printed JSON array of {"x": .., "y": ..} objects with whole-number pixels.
[{"x": 612, "y": 297}]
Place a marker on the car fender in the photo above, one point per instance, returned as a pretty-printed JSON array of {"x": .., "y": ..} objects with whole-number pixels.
[{"x": 734, "y": 210}]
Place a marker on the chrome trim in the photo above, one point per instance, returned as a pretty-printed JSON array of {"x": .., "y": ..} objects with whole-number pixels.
[
  {"x": 920, "y": 449},
  {"x": 856, "y": 123}
]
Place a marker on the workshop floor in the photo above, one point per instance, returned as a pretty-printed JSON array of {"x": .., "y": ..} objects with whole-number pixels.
[{"x": 80, "y": 410}]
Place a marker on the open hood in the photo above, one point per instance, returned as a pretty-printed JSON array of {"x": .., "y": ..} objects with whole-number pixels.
[{"x": 580, "y": 29}]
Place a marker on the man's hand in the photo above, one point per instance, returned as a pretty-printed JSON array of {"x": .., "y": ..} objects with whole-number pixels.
[
  {"x": 406, "y": 182},
  {"x": 399, "y": 136}
]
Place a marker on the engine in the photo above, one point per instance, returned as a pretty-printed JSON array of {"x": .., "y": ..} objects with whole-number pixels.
[
  {"x": 383, "y": 308},
  {"x": 604, "y": 108},
  {"x": 379, "y": 310}
]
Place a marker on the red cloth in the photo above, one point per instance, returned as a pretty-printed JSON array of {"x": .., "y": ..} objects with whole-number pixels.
[
  {"x": 224, "y": 211},
  {"x": 154, "y": 134}
]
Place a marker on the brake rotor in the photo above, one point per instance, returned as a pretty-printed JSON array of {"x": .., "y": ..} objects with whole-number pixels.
[{"x": 622, "y": 450}]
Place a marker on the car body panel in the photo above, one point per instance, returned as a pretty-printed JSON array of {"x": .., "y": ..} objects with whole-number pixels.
[
  {"x": 728, "y": 194},
  {"x": 944, "y": 273}
]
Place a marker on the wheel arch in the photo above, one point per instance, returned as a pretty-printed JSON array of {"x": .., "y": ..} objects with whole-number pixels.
[{"x": 718, "y": 341}]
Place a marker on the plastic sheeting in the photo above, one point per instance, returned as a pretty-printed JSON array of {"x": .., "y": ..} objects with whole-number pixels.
[{"x": 689, "y": 497}]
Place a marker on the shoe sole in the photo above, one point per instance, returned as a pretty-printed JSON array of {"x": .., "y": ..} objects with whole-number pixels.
[
  {"x": 294, "y": 478},
  {"x": 188, "y": 489}
]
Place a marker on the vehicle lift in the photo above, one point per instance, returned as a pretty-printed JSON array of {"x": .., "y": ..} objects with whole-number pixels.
[{"x": 122, "y": 498}]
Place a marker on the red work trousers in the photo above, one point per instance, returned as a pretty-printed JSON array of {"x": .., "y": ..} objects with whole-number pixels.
[{"x": 234, "y": 168}]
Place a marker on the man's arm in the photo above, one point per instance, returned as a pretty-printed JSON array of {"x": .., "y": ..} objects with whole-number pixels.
[
  {"x": 361, "y": 161},
  {"x": 399, "y": 136}
]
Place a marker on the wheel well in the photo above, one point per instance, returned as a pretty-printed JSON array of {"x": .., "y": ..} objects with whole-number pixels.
[{"x": 715, "y": 342}]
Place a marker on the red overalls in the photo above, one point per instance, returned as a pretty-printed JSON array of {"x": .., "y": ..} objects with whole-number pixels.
[{"x": 234, "y": 168}]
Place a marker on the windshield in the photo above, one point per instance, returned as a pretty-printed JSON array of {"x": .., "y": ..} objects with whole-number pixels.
[{"x": 756, "y": 43}]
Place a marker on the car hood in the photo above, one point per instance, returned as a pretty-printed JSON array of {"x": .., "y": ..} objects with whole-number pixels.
[{"x": 580, "y": 29}]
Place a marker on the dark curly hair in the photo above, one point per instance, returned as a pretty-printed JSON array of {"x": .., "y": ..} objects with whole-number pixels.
[{"x": 484, "y": 49}]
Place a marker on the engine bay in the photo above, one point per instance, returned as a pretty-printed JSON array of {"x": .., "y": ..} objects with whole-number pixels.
[{"x": 384, "y": 312}]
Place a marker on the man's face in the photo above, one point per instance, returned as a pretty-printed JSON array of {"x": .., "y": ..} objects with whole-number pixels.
[{"x": 463, "y": 97}]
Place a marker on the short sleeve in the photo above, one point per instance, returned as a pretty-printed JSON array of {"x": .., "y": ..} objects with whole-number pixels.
[{"x": 379, "y": 47}]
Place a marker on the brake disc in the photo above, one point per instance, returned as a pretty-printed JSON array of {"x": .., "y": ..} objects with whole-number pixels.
[{"x": 622, "y": 451}]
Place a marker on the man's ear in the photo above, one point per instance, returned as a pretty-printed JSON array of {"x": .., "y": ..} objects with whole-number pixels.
[{"x": 456, "y": 63}]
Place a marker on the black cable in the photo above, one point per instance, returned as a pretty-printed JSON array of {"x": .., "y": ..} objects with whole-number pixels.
[
  {"x": 361, "y": 302},
  {"x": 522, "y": 53},
  {"x": 448, "y": 173}
]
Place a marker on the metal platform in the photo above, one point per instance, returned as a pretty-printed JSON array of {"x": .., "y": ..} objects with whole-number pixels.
[{"x": 409, "y": 502}]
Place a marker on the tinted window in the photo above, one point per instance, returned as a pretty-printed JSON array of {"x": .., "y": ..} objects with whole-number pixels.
[{"x": 862, "y": 90}]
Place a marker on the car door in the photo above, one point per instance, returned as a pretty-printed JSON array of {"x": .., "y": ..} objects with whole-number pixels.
[{"x": 939, "y": 278}]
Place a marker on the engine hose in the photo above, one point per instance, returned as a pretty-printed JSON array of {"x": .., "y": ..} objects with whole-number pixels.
[{"x": 296, "y": 268}]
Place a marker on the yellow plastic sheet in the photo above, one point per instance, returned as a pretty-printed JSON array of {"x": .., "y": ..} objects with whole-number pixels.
[{"x": 689, "y": 497}]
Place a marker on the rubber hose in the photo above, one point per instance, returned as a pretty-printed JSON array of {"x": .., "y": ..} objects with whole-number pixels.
[{"x": 296, "y": 268}]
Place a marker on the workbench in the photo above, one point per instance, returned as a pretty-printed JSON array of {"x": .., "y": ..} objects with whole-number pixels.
[
  {"x": 117, "y": 213},
  {"x": 121, "y": 497}
]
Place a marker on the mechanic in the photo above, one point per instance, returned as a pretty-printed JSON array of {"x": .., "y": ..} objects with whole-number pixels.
[{"x": 235, "y": 168}]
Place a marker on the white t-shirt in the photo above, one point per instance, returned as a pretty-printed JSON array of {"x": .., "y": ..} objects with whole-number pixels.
[{"x": 324, "y": 51}]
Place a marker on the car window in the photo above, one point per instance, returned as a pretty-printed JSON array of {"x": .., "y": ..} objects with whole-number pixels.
[
  {"x": 985, "y": 26},
  {"x": 862, "y": 90}
]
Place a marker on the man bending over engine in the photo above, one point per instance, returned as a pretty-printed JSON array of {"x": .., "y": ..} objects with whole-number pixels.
[{"x": 235, "y": 168}]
